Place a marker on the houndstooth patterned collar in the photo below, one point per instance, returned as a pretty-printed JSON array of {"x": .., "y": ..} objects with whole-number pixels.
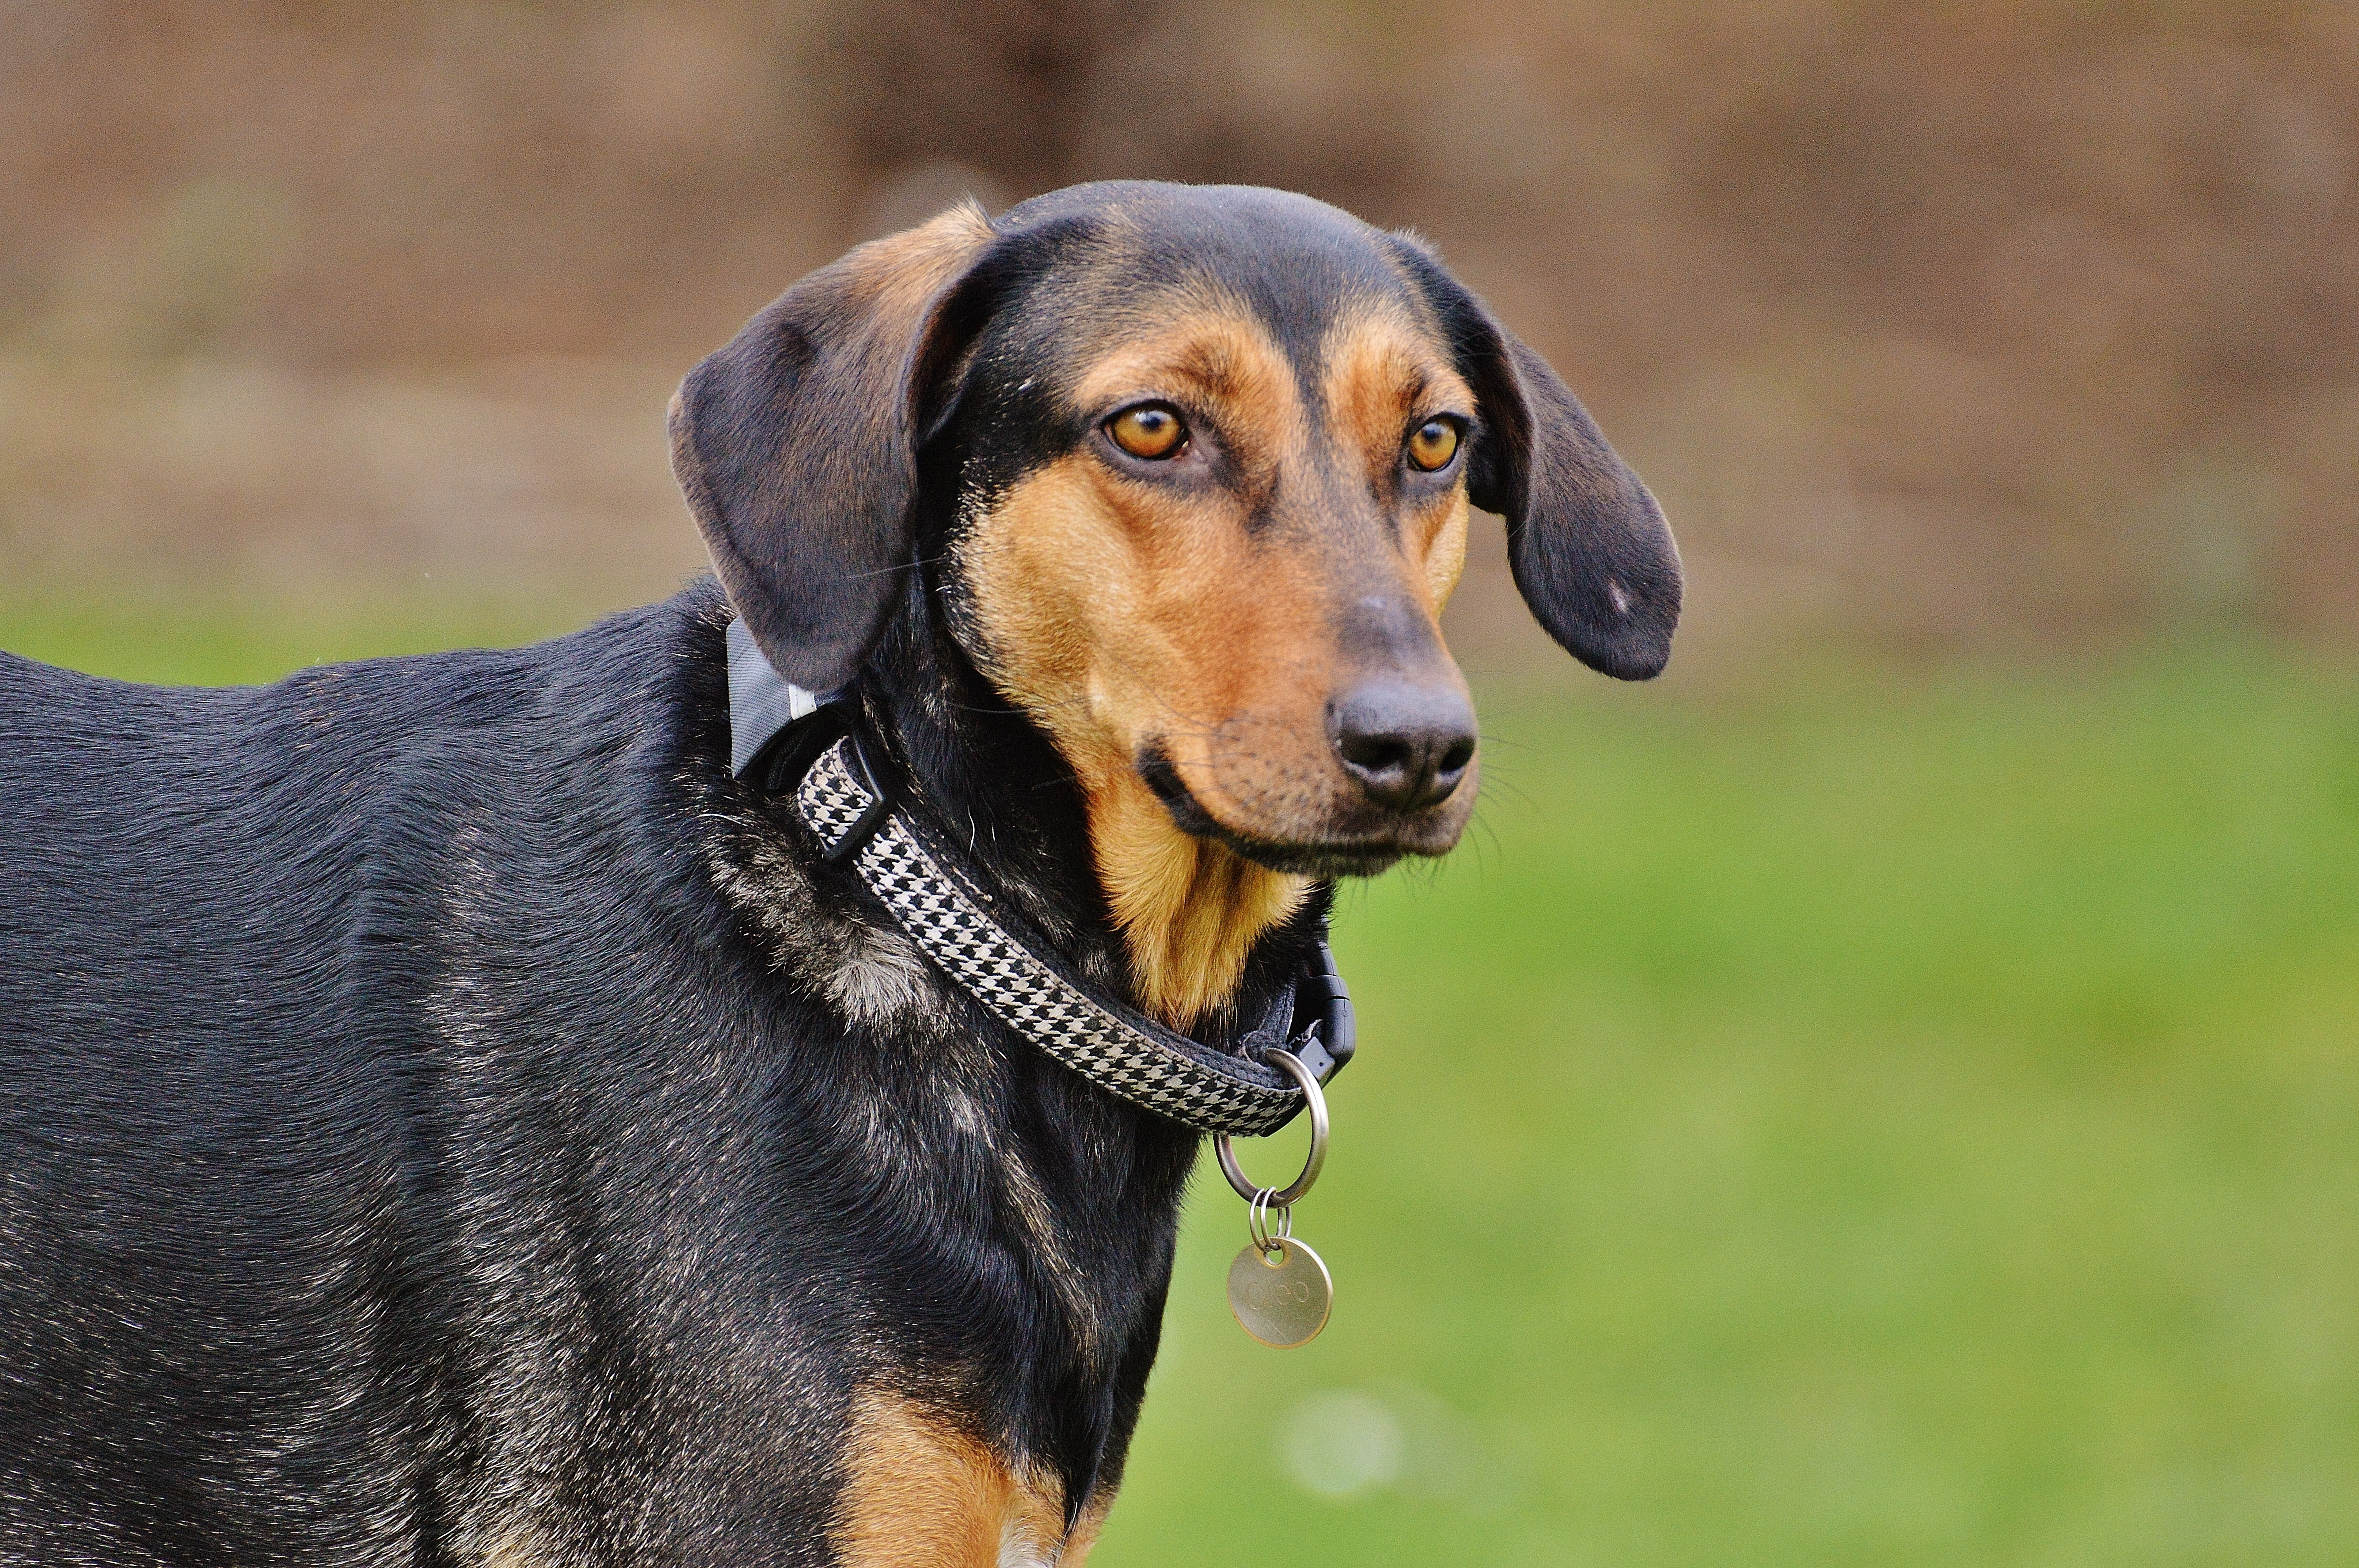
[{"x": 1021, "y": 978}]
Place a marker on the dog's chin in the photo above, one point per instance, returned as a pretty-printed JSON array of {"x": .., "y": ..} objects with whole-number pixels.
[
  {"x": 1364, "y": 853},
  {"x": 1326, "y": 862}
]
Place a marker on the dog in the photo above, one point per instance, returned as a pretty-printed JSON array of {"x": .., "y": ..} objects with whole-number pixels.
[{"x": 460, "y": 1110}]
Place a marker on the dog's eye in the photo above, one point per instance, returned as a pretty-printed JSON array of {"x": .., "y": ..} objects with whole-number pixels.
[
  {"x": 1432, "y": 444},
  {"x": 1150, "y": 430}
]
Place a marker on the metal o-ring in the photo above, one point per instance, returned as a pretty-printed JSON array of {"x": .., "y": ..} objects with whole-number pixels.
[
  {"x": 1283, "y": 1197},
  {"x": 1268, "y": 1226}
]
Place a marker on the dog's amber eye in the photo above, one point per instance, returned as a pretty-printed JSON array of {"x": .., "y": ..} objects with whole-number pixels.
[
  {"x": 1150, "y": 431},
  {"x": 1432, "y": 444}
]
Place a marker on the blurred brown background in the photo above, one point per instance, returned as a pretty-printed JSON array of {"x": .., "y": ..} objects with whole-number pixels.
[{"x": 1938, "y": 325}]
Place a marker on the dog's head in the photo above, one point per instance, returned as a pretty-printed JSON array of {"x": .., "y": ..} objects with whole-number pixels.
[{"x": 1206, "y": 455}]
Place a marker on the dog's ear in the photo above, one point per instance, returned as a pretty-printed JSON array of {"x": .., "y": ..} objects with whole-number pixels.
[
  {"x": 796, "y": 443},
  {"x": 1592, "y": 554}
]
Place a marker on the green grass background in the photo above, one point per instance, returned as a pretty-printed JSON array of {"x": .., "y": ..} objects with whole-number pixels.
[{"x": 1847, "y": 1118}]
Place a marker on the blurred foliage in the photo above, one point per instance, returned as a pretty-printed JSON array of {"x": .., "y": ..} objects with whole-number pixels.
[
  {"x": 1848, "y": 1119},
  {"x": 1950, "y": 324}
]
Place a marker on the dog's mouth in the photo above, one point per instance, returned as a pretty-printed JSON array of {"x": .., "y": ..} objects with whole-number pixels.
[{"x": 1345, "y": 854}]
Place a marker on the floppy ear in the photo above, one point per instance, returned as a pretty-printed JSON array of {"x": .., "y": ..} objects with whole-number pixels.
[
  {"x": 796, "y": 444},
  {"x": 1592, "y": 554}
]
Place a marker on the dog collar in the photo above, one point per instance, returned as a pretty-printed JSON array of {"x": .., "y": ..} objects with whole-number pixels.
[
  {"x": 761, "y": 701},
  {"x": 802, "y": 743}
]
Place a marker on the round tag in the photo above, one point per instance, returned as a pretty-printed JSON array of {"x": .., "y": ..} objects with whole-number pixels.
[{"x": 1280, "y": 1297}]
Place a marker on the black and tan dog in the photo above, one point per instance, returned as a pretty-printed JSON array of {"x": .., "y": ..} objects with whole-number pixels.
[{"x": 446, "y": 1117}]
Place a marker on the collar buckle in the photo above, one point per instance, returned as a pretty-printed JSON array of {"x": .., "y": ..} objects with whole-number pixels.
[
  {"x": 1309, "y": 1021},
  {"x": 881, "y": 800},
  {"x": 780, "y": 767}
]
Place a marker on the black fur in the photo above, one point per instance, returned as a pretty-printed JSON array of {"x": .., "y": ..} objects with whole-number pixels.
[
  {"x": 1589, "y": 547},
  {"x": 442, "y": 1110},
  {"x": 417, "y": 1126}
]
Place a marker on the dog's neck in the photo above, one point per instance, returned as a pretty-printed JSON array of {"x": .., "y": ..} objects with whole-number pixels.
[
  {"x": 1189, "y": 911},
  {"x": 1170, "y": 921}
]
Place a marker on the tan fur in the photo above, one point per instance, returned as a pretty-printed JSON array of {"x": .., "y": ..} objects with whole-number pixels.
[
  {"x": 1188, "y": 910},
  {"x": 1445, "y": 557},
  {"x": 907, "y": 269},
  {"x": 918, "y": 1493},
  {"x": 1121, "y": 614},
  {"x": 1093, "y": 631},
  {"x": 1382, "y": 377}
]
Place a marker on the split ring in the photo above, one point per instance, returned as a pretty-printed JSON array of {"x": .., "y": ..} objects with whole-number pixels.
[
  {"x": 1269, "y": 1227},
  {"x": 1283, "y": 1197}
]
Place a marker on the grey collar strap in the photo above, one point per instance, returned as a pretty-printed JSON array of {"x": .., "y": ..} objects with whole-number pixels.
[
  {"x": 761, "y": 701},
  {"x": 990, "y": 951}
]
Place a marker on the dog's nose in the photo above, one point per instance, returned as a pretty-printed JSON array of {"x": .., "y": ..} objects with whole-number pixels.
[{"x": 1407, "y": 744}]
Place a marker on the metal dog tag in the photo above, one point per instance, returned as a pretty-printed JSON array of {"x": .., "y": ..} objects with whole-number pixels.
[{"x": 1282, "y": 1296}]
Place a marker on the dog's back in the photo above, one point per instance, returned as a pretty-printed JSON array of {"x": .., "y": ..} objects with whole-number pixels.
[{"x": 242, "y": 927}]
